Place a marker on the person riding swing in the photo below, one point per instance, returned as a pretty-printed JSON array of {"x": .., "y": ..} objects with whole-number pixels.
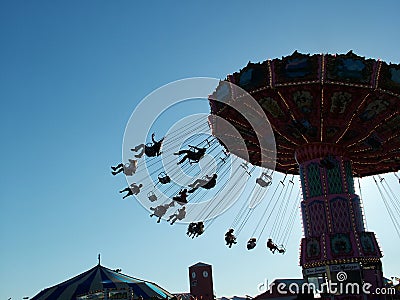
[
  {"x": 179, "y": 215},
  {"x": 207, "y": 183},
  {"x": 273, "y": 247},
  {"x": 194, "y": 154},
  {"x": 195, "y": 229},
  {"x": 182, "y": 197},
  {"x": 251, "y": 244},
  {"x": 150, "y": 149},
  {"x": 133, "y": 189},
  {"x": 159, "y": 211},
  {"x": 128, "y": 169},
  {"x": 230, "y": 239}
]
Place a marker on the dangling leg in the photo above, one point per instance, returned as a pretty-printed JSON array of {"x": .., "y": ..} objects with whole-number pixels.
[
  {"x": 174, "y": 220},
  {"x": 159, "y": 220},
  {"x": 127, "y": 195},
  {"x": 125, "y": 190},
  {"x": 193, "y": 161},
  {"x": 194, "y": 184},
  {"x": 182, "y": 160},
  {"x": 153, "y": 209},
  {"x": 181, "y": 152},
  {"x": 116, "y": 172},
  {"x": 137, "y": 148},
  {"x": 117, "y": 167}
]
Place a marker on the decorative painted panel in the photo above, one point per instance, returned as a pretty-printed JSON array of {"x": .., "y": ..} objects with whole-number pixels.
[
  {"x": 317, "y": 214},
  {"x": 340, "y": 213},
  {"x": 304, "y": 217},
  {"x": 358, "y": 214},
  {"x": 334, "y": 178},
  {"x": 349, "y": 177},
  {"x": 367, "y": 243},
  {"x": 313, "y": 249},
  {"x": 314, "y": 180},
  {"x": 340, "y": 244}
]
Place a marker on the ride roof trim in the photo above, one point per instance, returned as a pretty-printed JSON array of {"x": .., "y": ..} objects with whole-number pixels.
[{"x": 341, "y": 101}]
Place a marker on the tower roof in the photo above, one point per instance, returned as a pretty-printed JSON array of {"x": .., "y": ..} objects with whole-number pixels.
[{"x": 201, "y": 264}]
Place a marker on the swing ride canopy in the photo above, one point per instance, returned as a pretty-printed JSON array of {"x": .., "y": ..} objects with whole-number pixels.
[{"x": 343, "y": 102}]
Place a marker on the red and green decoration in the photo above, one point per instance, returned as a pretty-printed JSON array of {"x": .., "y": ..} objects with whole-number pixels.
[{"x": 344, "y": 100}]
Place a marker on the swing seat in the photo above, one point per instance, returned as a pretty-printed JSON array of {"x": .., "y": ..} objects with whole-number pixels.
[
  {"x": 251, "y": 244},
  {"x": 163, "y": 178},
  {"x": 281, "y": 249},
  {"x": 262, "y": 182},
  {"x": 149, "y": 144},
  {"x": 245, "y": 167},
  {"x": 179, "y": 200},
  {"x": 199, "y": 232},
  {"x": 198, "y": 154},
  {"x": 150, "y": 150},
  {"x": 152, "y": 197}
]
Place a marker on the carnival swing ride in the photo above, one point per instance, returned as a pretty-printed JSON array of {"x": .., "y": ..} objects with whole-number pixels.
[{"x": 331, "y": 118}]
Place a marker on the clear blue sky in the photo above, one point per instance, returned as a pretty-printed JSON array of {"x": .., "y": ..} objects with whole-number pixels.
[{"x": 71, "y": 73}]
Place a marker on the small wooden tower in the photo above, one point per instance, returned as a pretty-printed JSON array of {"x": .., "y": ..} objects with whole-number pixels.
[{"x": 201, "y": 282}]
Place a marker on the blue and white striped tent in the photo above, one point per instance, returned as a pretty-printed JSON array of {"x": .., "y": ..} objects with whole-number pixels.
[{"x": 103, "y": 283}]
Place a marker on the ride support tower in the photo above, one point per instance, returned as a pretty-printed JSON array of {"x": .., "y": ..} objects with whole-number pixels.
[{"x": 335, "y": 238}]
